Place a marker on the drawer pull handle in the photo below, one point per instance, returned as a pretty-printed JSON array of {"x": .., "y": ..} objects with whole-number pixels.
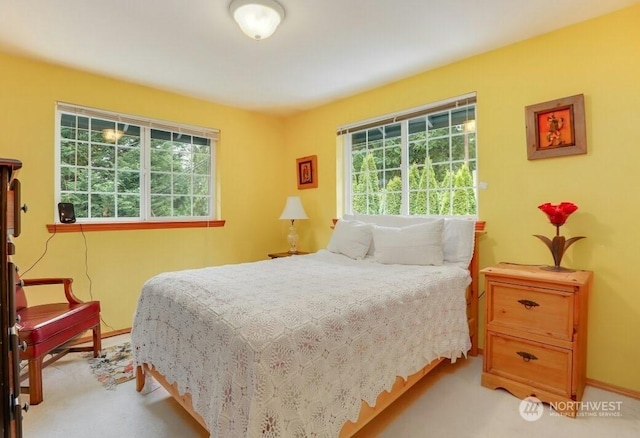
[
  {"x": 526, "y": 356},
  {"x": 528, "y": 304}
]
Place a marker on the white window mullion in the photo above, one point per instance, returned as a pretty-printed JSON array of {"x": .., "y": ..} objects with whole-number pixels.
[
  {"x": 90, "y": 172},
  {"x": 404, "y": 166},
  {"x": 145, "y": 173},
  {"x": 213, "y": 196},
  {"x": 348, "y": 174}
]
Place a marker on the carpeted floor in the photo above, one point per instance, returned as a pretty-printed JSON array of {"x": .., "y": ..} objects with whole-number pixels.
[{"x": 448, "y": 403}]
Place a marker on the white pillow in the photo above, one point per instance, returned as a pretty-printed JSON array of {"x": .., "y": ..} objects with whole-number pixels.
[
  {"x": 420, "y": 244},
  {"x": 459, "y": 233},
  {"x": 390, "y": 220},
  {"x": 351, "y": 238},
  {"x": 459, "y": 241}
]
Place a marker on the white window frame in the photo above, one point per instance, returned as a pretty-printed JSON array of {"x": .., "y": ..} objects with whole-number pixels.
[
  {"x": 146, "y": 125},
  {"x": 344, "y": 133}
]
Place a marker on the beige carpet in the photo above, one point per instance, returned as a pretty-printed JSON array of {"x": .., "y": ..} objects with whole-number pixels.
[{"x": 448, "y": 403}]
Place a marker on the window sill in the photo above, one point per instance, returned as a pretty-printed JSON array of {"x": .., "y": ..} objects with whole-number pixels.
[{"x": 125, "y": 226}]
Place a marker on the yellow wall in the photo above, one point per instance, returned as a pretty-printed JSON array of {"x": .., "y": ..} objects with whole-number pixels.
[
  {"x": 596, "y": 58},
  {"x": 256, "y": 171},
  {"x": 250, "y": 168}
]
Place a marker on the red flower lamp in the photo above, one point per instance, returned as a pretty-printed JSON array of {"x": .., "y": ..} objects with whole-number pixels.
[{"x": 558, "y": 215}]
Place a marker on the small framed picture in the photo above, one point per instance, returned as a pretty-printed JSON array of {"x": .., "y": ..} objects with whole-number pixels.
[
  {"x": 556, "y": 128},
  {"x": 307, "y": 170}
]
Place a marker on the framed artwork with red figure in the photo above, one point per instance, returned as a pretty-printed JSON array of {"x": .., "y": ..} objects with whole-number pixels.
[
  {"x": 556, "y": 128},
  {"x": 307, "y": 170}
]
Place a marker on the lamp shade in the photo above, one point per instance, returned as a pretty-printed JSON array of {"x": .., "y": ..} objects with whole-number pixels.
[
  {"x": 258, "y": 19},
  {"x": 293, "y": 209}
]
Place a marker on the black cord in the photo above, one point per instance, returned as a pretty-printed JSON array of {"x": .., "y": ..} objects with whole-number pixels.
[
  {"x": 46, "y": 247},
  {"x": 86, "y": 262},
  {"x": 86, "y": 273}
]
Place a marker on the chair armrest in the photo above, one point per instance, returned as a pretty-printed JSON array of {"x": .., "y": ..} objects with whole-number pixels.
[
  {"x": 66, "y": 282},
  {"x": 43, "y": 281}
]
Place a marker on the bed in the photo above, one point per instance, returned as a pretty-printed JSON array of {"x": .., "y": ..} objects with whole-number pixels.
[{"x": 315, "y": 344}]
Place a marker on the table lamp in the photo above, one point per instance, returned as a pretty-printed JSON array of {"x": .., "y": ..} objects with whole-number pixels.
[{"x": 293, "y": 210}]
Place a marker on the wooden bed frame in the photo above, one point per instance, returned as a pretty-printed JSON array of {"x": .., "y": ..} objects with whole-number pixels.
[{"x": 367, "y": 413}]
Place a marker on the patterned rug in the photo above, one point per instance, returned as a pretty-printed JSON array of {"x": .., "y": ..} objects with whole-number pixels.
[{"x": 113, "y": 366}]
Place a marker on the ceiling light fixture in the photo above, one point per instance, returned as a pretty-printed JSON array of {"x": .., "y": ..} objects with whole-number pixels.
[
  {"x": 258, "y": 19},
  {"x": 112, "y": 135}
]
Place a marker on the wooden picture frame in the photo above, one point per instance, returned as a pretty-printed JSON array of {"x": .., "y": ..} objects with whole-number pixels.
[
  {"x": 307, "y": 171},
  {"x": 556, "y": 128}
]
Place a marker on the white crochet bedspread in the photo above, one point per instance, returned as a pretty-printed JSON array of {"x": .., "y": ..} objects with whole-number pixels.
[{"x": 289, "y": 347}]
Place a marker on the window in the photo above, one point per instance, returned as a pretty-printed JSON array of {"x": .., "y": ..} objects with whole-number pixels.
[
  {"x": 420, "y": 162},
  {"x": 122, "y": 168}
]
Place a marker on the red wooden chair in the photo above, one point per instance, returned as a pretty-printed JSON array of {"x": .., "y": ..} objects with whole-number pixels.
[{"x": 47, "y": 328}]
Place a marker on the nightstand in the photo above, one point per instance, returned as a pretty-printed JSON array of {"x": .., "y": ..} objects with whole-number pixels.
[
  {"x": 277, "y": 255},
  {"x": 536, "y": 333}
]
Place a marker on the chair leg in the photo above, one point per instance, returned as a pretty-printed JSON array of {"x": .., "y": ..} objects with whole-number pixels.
[
  {"x": 97, "y": 341},
  {"x": 35, "y": 381}
]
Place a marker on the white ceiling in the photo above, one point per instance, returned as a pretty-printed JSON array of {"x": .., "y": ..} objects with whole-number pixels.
[{"x": 324, "y": 49}]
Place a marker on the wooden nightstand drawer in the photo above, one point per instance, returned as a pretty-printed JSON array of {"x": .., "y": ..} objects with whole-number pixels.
[
  {"x": 533, "y": 310},
  {"x": 539, "y": 365}
]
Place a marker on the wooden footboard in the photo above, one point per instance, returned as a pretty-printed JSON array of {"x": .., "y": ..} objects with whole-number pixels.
[
  {"x": 367, "y": 413},
  {"x": 183, "y": 399}
]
